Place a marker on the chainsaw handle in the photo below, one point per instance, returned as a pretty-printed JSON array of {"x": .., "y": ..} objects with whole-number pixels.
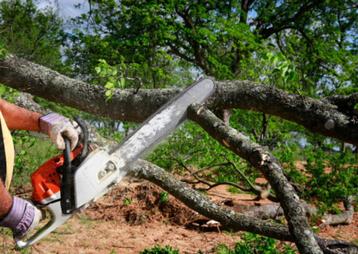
[
  {"x": 67, "y": 183},
  {"x": 67, "y": 152},
  {"x": 84, "y": 137}
]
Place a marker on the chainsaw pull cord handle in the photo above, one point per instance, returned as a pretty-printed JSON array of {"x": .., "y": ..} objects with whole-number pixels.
[{"x": 67, "y": 183}]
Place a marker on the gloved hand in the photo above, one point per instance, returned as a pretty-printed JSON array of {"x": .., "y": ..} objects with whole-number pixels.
[
  {"x": 55, "y": 126},
  {"x": 22, "y": 218}
]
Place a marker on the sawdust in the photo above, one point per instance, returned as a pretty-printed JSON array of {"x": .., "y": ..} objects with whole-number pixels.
[{"x": 140, "y": 204}]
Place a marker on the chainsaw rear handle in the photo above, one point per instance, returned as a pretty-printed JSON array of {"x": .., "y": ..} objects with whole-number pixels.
[{"x": 83, "y": 137}]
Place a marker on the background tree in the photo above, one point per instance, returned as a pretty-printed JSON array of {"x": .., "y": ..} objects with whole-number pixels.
[
  {"x": 30, "y": 33},
  {"x": 305, "y": 47}
]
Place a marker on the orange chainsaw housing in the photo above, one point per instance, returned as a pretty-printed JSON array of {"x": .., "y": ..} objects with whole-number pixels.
[{"x": 46, "y": 180}]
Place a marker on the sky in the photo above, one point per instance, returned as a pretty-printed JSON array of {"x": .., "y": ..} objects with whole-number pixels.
[{"x": 66, "y": 8}]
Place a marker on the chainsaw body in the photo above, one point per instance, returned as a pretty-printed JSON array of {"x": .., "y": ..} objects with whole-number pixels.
[
  {"x": 46, "y": 180},
  {"x": 69, "y": 182}
]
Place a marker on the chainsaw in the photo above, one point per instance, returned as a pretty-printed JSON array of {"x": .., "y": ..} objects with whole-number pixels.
[{"x": 69, "y": 182}]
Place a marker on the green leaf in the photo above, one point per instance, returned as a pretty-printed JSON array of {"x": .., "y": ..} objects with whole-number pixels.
[{"x": 109, "y": 85}]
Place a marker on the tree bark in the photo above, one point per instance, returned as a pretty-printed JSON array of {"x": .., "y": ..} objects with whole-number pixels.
[
  {"x": 318, "y": 116},
  {"x": 261, "y": 159},
  {"x": 345, "y": 217}
]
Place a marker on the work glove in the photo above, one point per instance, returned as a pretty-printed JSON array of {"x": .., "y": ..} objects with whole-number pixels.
[
  {"x": 22, "y": 218},
  {"x": 57, "y": 126}
]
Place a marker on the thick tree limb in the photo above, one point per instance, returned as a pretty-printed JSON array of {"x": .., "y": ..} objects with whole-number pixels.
[
  {"x": 228, "y": 218},
  {"x": 273, "y": 210},
  {"x": 131, "y": 105},
  {"x": 269, "y": 166},
  {"x": 317, "y": 116},
  {"x": 202, "y": 204}
]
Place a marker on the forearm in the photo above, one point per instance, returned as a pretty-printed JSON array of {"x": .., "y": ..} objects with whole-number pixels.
[
  {"x": 5, "y": 200},
  {"x": 19, "y": 118}
]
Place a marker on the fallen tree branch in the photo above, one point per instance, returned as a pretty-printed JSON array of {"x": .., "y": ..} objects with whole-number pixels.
[
  {"x": 261, "y": 159},
  {"x": 203, "y": 205},
  {"x": 345, "y": 217},
  {"x": 131, "y": 105},
  {"x": 273, "y": 210},
  {"x": 315, "y": 115},
  {"x": 228, "y": 218}
]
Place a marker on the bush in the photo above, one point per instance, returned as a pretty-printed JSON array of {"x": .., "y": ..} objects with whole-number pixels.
[
  {"x": 31, "y": 152},
  {"x": 160, "y": 250},
  {"x": 252, "y": 243}
]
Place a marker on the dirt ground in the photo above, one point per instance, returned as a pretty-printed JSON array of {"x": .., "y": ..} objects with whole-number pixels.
[{"x": 139, "y": 215}]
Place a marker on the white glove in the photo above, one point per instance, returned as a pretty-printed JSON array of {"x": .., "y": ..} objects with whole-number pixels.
[{"x": 55, "y": 125}]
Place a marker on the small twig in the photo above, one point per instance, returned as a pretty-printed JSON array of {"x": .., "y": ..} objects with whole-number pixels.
[
  {"x": 259, "y": 191},
  {"x": 189, "y": 181},
  {"x": 229, "y": 183},
  {"x": 211, "y": 167},
  {"x": 252, "y": 186},
  {"x": 209, "y": 184}
]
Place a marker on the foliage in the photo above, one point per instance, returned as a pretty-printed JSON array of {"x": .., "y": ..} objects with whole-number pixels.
[
  {"x": 325, "y": 175},
  {"x": 31, "y": 152},
  {"x": 334, "y": 177},
  {"x": 178, "y": 153},
  {"x": 3, "y": 51},
  {"x": 111, "y": 80},
  {"x": 227, "y": 40},
  {"x": 30, "y": 33},
  {"x": 160, "y": 250},
  {"x": 252, "y": 243},
  {"x": 163, "y": 197},
  {"x": 144, "y": 67}
]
